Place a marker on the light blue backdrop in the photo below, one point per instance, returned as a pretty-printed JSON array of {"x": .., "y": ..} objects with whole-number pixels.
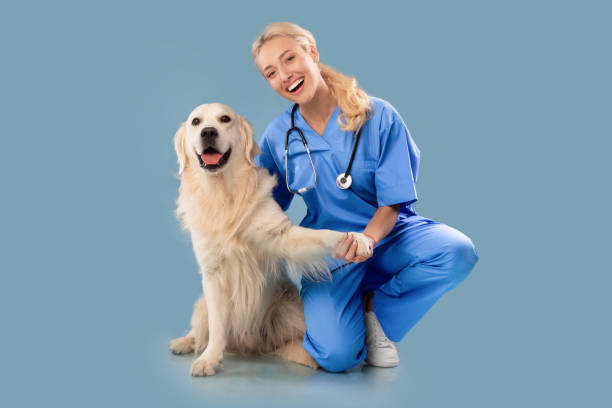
[{"x": 509, "y": 103}]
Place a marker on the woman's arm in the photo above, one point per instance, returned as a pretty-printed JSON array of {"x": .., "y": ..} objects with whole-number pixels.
[
  {"x": 380, "y": 225},
  {"x": 382, "y": 222}
]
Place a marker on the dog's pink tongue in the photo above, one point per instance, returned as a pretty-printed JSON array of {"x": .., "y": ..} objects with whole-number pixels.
[{"x": 211, "y": 158}]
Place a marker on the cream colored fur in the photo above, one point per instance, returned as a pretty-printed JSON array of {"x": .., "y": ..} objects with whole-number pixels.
[{"x": 242, "y": 239}]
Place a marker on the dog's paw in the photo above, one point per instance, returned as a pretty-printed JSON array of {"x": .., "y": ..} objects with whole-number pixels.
[
  {"x": 309, "y": 362},
  {"x": 365, "y": 245},
  {"x": 205, "y": 366},
  {"x": 182, "y": 345}
]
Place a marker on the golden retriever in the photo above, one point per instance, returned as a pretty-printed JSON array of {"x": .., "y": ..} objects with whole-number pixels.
[{"x": 242, "y": 241}]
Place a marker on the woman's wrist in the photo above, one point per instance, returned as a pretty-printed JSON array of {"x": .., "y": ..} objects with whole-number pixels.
[
  {"x": 382, "y": 223},
  {"x": 374, "y": 242}
]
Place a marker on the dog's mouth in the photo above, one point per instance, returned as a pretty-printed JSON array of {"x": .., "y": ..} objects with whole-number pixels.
[{"x": 212, "y": 160}]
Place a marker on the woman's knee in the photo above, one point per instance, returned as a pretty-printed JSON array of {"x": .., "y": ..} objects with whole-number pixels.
[
  {"x": 335, "y": 331},
  {"x": 337, "y": 354},
  {"x": 335, "y": 341},
  {"x": 462, "y": 258}
]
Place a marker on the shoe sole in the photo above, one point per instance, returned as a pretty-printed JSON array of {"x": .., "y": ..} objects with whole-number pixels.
[{"x": 387, "y": 365}]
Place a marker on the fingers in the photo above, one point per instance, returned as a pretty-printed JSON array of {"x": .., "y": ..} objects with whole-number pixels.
[
  {"x": 351, "y": 251},
  {"x": 346, "y": 248},
  {"x": 341, "y": 247}
]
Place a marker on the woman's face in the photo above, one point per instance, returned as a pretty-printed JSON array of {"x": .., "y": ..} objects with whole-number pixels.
[{"x": 290, "y": 71}]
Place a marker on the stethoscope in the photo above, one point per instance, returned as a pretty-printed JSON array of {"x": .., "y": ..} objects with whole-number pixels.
[{"x": 343, "y": 181}]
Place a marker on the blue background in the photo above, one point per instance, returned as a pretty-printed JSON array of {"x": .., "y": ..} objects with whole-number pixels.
[{"x": 509, "y": 103}]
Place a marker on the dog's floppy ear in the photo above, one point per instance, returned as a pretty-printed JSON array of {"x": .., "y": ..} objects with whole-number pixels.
[
  {"x": 250, "y": 147},
  {"x": 179, "y": 147}
]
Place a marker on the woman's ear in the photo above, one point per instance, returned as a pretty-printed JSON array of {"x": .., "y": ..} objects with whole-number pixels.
[
  {"x": 314, "y": 53},
  {"x": 250, "y": 147},
  {"x": 179, "y": 147}
]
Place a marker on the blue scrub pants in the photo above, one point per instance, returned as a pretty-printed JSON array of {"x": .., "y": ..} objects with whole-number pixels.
[{"x": 408, "y": 272}]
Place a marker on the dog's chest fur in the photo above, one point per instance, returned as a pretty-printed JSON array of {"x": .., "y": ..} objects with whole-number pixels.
[{"x": 220, "y": 219}]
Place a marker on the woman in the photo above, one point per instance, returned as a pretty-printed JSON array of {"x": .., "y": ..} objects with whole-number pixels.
[{"x": 415, "y": 259}]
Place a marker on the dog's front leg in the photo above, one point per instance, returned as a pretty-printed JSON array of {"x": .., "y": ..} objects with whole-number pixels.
[
  {"x": 305, "y": 245},
  {"x": 212, "y": 357}
]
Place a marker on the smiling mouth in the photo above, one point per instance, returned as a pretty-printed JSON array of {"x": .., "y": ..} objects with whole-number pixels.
[
  {"x": 296, "y": 86},
  {"x": 212, "y": 160}
]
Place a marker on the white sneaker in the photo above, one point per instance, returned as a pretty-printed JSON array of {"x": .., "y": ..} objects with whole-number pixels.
[{"x": 381, "y": 351}]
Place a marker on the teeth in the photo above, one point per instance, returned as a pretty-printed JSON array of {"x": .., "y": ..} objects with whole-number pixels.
[{"x": 295, "y": 84}]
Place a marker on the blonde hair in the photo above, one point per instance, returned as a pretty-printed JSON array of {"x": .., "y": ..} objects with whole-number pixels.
[{"x": 353, "y": 102}]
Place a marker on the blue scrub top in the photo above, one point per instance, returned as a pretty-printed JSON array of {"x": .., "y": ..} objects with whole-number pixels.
[{"x": 384, "y": 171}]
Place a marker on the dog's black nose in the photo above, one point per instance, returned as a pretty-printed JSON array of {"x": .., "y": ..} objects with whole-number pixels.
[{"x": 209, "y": 133}]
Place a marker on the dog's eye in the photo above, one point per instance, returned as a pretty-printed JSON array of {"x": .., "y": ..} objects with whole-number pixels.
[
  {"x": 225, "y": 119},
  {"x": 195, "y": 122}
]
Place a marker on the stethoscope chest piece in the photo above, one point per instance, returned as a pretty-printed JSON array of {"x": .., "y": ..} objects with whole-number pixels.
[{"x": 343, "y": 181}]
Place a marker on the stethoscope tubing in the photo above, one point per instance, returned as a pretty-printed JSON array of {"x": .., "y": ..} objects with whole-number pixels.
[{"x": 343, "y": 181}]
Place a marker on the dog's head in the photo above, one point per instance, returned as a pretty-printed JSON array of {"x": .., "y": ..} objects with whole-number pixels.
[{"x": 212, "y": 138}]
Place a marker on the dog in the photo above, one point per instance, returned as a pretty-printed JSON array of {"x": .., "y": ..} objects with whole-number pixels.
[{"x": 244, "y": 244}]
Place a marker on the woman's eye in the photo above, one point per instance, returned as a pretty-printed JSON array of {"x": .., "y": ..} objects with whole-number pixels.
[
  {"x": 290, "y": 58},
  {"x": 270, "y": 74},
  {"x": 195, "y": 122},
  {"x": 225, "y": 119}
]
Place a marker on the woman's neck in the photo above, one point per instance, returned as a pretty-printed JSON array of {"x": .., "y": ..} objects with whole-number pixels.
[{"x": 320, "y": 108}]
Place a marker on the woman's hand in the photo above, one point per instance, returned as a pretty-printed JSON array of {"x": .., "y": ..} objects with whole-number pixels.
[
  {"x": 379, "y": 226},
  {"x": 346, "y": 249}
]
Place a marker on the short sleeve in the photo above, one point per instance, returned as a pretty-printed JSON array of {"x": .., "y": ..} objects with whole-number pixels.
[
  {"x": 398, "y": 163},
  {"x": 265, "y": 159}
]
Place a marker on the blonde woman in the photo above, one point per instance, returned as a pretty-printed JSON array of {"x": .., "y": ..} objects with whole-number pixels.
[{"x": 370, "y": 303}]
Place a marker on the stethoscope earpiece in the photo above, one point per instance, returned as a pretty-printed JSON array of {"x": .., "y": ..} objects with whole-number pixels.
[{"x": 343, "y": 182}]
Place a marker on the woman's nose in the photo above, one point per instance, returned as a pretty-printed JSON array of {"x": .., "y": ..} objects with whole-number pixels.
[{"x": 285, "y": 76}]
